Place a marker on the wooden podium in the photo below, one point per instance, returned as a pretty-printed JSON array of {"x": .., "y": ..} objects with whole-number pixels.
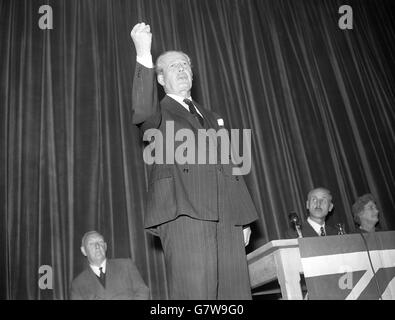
[
  {"x": 334, "y": 267},
  {"x": 277, "y": 260}
]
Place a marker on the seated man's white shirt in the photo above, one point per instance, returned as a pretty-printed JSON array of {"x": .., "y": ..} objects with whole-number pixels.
[
  {"x": 96, "y": 269},
  {"x": 316, "y": 226}
]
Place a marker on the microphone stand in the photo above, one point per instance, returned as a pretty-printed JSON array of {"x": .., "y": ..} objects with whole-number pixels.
[
  {"x": 298, "y": 230},
  {"x": 293, "y": 217}
]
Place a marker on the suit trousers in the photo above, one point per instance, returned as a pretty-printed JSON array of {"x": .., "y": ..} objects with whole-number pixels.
[{"x": 204, "y": 259}]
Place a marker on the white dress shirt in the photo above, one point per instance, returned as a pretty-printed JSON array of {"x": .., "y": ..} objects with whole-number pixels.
[
  {"x": 96, "y": 269},
  {"x": 316, "y": 226},
  {"x": 180, "y": 100},
  {"x": 146, "y": 61}
]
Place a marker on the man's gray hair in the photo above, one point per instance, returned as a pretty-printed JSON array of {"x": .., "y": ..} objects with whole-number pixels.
[
  {"x": 87, "y": 234},
  {"x": 322, "y": 189},
  {"x": 159, "y": 66}
]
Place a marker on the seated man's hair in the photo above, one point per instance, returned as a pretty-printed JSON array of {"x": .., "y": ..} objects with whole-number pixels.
[
  {"x": 87, "y": 234},
  {"x": 359, "y": 204}
]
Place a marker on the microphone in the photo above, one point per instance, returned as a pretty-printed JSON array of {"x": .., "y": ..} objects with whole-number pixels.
[
  {"x": 340, "y": 228},
  {"x": 294, "y": 219}
]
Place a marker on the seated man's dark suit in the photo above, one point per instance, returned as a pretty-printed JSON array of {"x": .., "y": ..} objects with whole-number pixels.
[
  {"x": 198, "y": 210},
  {"x": 123, "y": 282},
  {"x": 308, "y": 231}
]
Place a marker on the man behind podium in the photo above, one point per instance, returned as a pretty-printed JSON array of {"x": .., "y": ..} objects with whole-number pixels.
[
  {"x": 106, "y": 279},
  {"x": 319, "y": 204}
]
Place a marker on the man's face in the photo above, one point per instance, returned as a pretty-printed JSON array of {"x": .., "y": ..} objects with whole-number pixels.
[
  {"x": 94, "y": 249},
  {"x": 176, "y": 77},
  {"x": 319, "y": 204},
  {"x": 370, "y": 213}
]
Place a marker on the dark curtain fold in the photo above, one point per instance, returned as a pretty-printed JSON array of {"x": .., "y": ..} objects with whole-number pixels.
[{"x": 318, "y": 100}]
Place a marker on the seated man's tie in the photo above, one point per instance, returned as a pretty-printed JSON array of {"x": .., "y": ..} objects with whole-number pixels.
[
  {"x": 192, "y": 109},
  {"x": 323, "y": 234},
  {"x": 102, "y": 277}
]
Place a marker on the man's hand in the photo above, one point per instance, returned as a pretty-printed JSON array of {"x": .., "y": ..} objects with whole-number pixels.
[
  {"x": 247, "y": 234},
  {"x": 142, "y": 38}
]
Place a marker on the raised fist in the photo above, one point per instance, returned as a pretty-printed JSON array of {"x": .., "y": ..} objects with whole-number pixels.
[{"x": 142, "y": 38}]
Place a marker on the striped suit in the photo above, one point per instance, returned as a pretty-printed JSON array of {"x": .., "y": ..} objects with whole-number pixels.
[{"x": 198, "y": 210}]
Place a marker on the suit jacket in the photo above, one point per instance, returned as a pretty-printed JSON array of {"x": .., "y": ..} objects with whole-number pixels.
[
  {"x": 123, "y": 282},
  {"x": 191, "y": 188},
  {"x": 308, "y": 231}
]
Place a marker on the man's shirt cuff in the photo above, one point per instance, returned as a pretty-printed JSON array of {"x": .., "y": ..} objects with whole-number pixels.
[{"x": 146, "y": 61}]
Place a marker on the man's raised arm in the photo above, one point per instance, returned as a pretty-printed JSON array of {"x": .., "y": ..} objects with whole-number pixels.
[{"x": 145, "y": 104}]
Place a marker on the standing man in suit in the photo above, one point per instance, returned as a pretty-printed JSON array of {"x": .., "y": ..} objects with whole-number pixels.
[
  {"x": 200, "y": 211},
  {"x": 106, "y": 279},
  {"x": 319, "y": 204}
]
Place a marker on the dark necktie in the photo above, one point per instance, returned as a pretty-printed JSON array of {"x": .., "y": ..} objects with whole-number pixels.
[
  {"x": 102, "y": 277},
  {"x": 323, "y": 232},
  {"x": 192, "y": 110}
]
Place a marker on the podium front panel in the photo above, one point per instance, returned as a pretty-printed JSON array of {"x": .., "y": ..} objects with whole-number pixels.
[{"x": 354, "y": 266}]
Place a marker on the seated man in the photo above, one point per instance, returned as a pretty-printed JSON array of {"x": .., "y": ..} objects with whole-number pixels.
[
  {"x": 319, "y": 204},
  {"x": 106, "y": 279},
  {"x": 365, "y": 212}
]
